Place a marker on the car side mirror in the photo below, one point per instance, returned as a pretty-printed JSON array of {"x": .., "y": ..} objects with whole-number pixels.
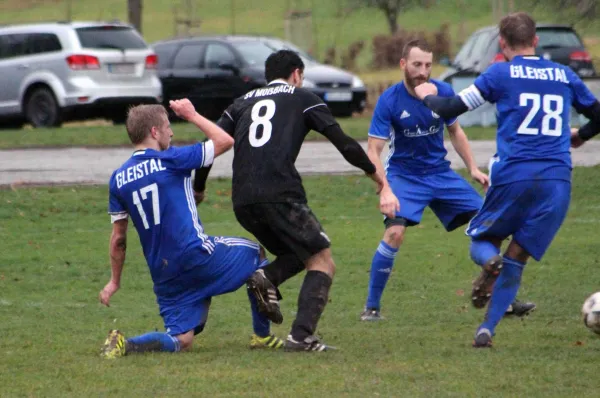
[
  {"x": 230, "y": 67},
  {"x": 445, "y": 61}
]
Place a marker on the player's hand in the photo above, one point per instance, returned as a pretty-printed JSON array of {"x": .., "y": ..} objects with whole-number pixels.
[
  {"x": 389, "y": 204},
  {"x": 576, "y": 140},
  {"x": 481, "y": 178},
  {"x": 183, "y": 108},
  {"x": 106, "y": 293},
  {"x": 425, "y": 89},
  {"x": 199, "y": 197}
]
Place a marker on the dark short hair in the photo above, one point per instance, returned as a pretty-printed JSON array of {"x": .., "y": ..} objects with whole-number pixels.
[
  {"x": 418, "y": 43},
  {"x": 518, "y": 30},
  {"x": 281, "y": 64}
]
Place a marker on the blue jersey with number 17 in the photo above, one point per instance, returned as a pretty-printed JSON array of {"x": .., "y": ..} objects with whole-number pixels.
[
  {"x": 154, "y": 189},
  {"x": 533, "y": 97}
]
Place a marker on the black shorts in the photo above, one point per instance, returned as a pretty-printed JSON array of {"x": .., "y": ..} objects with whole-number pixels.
[{"x": 284, "y": 228}]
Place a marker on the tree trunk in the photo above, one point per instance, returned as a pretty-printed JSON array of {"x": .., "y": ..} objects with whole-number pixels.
[
  {"x": 392, "y": 19},
  {"x": 134, "y": 11}
]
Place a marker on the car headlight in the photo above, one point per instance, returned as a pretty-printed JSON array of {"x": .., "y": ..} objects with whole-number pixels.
[
  {"x": 308, "y": 84},
  {"x": 357, "y": 83}
]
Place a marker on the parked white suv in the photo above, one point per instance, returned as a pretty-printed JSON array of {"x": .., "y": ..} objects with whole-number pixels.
[{"x": 54, "y": 72}]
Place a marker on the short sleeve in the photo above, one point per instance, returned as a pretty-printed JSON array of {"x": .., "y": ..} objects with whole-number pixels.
[
  {"x": 116, "y": 206},
  {"x": 192, "y": 156},
  {"x": 582, "y": 96},
  {"x": 489, "y": 85},
  {"x": 381, "y": 120},
  {"x": 486, "y": 87},
  {"x": 317, "y": 115}
]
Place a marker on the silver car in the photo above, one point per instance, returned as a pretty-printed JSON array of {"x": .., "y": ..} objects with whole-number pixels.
[{"x": 55, "y": 72}]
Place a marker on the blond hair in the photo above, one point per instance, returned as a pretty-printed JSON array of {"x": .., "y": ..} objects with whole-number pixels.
[{"x": 141, "y": 119}]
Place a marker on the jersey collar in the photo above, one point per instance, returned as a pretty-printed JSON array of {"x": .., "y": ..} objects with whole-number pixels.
[{"x": 278, "y": 81}]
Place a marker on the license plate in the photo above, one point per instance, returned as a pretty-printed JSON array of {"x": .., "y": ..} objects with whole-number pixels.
[
  {"x": 338, "y": 96},
  {"x": 121, "y": 68}
]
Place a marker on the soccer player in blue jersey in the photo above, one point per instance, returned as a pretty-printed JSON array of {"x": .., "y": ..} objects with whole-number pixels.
[
  {"x": 530, "y": 176},
  {"x": 418, "y": 174},
  {"x": 153, "y": 188}
]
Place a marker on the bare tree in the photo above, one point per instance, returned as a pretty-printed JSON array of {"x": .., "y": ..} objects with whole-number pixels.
[
  {"x": 391, "y": 9},
  {"x": 134, "y": 13}
]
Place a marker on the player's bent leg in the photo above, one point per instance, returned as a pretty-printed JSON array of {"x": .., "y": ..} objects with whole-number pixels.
[
  {"x": 381, "y": 267},
  {"x": 312, "y": 299},
  {"x": 116, "y": 345},
  {"x": 485, "y": 253}
]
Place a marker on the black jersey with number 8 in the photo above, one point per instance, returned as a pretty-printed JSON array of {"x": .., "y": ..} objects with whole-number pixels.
[{"x": 269, "y": 125}]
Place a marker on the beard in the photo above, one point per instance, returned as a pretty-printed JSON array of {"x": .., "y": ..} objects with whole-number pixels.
[{"x": 415, "y": 81}]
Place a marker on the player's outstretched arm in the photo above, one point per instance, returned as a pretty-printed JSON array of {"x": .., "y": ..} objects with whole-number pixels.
[
  {"x": 352, "y": 152},
  {"x": 388, "y": 202},
  {"x": 117, "y": 249},
  {"x": 221, "y": 140},
  {"x": 460, "y": 143}
]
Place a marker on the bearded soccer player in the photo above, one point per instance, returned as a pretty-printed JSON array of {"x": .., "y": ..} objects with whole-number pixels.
[{"x": 416, "y": 172}]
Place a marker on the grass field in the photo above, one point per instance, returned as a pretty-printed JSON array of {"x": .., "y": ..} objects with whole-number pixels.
[
  {"x": 109, "y": 135},
  {"x": 54, "y": 262}
]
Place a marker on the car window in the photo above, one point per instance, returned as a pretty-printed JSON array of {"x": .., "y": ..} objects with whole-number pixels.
[
  {"x": 14, "y": 45},
  {"x": 558, "y": 38},
  {"x": 465, "y": 50},
  {"x": 40, "y": 43},
  {"x": 217, "y": 54},
  {"x": 165, "y": 54},
  {"x": 110, "y": 36},
  {"x": 254, "y": 52},
  {"x": 189, "y": 56}
]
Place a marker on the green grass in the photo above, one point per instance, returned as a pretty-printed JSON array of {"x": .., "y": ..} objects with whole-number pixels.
[
  {"x": 108, "y": 135},
  {"x": 54, "y": 262}
]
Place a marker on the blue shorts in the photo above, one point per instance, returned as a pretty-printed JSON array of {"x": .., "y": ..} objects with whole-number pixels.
[
  {"x": 226, "y": 270},
  {"x": 453, "y": 200},
  {"x": 531, "y": 211}
]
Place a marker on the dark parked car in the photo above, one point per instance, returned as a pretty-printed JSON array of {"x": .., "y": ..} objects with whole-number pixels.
[
  {"x": 214, "y": 70},
  {"x": 559, "y": 43}
]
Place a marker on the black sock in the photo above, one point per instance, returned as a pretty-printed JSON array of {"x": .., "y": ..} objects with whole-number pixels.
[
  {"x": 283, "y": 268},
  {"x": 311, "y": 304}
]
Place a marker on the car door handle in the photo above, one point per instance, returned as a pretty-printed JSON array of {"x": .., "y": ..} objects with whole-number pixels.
[{"x": 23, "y": 66}]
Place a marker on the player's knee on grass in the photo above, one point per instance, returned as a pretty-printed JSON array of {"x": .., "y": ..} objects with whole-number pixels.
[
  {"x": 322, "y": 261},
  {"x": 186, "y": 340},
  {"x": 394, "y": 235}
]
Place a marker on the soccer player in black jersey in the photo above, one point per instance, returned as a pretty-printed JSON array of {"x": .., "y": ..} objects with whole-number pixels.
[{"x": 269, "y": 125}]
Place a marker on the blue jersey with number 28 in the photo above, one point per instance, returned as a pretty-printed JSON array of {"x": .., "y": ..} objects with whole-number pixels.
[{"x": 533, "y": 97}]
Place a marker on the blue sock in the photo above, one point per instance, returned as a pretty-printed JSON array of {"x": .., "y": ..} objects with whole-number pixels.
[
  {"x": 260, "y": 323},
  {"x": 153, "y": 341},
  {"x": 381, "y": 268},
  {"x": 504, "y": 293},
  {"x": 482, "y": 251}
]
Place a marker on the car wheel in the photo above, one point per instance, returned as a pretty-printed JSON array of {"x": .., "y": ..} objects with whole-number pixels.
[{"x": 41, "y": 109}]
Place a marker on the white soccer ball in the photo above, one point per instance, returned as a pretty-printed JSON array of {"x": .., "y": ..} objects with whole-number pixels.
[{"x": 591, "y": 312}]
